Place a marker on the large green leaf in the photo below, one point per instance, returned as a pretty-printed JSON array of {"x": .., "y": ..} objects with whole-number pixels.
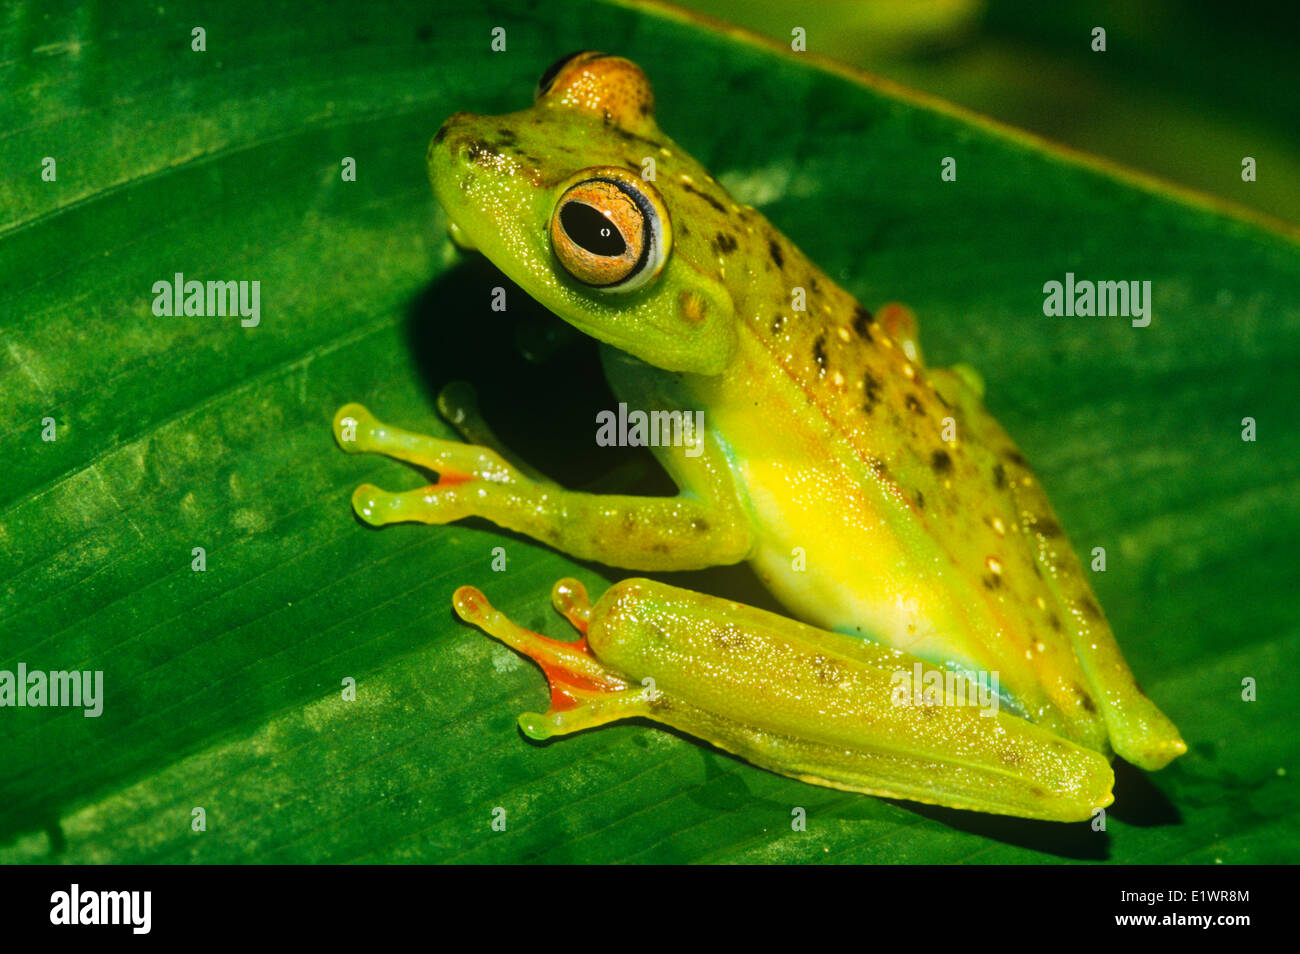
[{"x": 223, "y": 688}]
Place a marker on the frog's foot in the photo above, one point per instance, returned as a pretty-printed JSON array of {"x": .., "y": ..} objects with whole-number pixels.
[
  {"x": 584, "y": 692},
  {"x": 487, "y": 475},
  {"x": 649, "y": 533},
  {"x": 899, "y": 322}
]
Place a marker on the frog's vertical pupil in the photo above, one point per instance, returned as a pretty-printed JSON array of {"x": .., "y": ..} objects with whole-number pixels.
[{"x": 591, "y": 230}]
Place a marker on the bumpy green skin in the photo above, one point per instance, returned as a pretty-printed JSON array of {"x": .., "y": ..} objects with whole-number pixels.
[{"x": 875, "y": 497}]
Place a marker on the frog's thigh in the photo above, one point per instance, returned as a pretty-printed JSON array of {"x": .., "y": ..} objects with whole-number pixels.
[
  {"x": 801, "y": 702},
  {"x": 649, "y": 533}
]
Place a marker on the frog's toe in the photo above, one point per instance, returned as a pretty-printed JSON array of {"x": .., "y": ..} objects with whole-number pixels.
[
  {"x": 570, "y": 599},
  {"x": 360, "y": 432},
  {"x": 971, "y": 378},
  {"x": 352, "y": 422},
  {"x": 458, "y": 403},
  {"x": 436, "y": 503}
]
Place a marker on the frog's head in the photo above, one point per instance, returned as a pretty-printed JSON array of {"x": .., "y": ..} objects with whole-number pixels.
[{"x": 561, "y": 197}]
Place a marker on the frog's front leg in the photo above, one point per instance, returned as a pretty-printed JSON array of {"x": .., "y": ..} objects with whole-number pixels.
[
  {"x": 810, "y": 704},
  {"x": 647, "y": 533}
]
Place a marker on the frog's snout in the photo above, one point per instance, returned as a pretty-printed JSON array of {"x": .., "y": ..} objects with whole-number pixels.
[
  {"x": 448, "y": 125},
  {"x": 445, "y": 149}
]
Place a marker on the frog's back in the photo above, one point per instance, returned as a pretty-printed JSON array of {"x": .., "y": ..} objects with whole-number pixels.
[{"x": 887, "y": 501}]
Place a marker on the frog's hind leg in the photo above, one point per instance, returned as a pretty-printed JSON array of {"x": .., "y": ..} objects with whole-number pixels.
[
  {"x": 809, "y": 704},
  {"x": 1136, "y": 727},
  {"x": 584, "y": 692}
]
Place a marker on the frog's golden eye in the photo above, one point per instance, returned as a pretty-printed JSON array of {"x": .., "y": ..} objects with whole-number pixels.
[{"x": 610, "y": 230}]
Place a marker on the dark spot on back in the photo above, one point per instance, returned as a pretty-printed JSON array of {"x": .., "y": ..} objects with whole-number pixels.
[
  {"x": 913, "y": 404},
  {"x": 1085, "y": 700},
  {"x": 627, "y": 136},
  {"x": 699, "y": 524},
  {"x": 1053, "y": 620},
  {"x": 1090, "y": 609},
  {"x": 1048, "y": 527},
  {"x": 777, "y": 323},
  {"x": 506, "y": 137},
  {"x": 819, "y": 354},
  {"x": 870, "y": 391},
  {"x": 441, "y": 134},
  {"x": 725, "y": 244},
  {"x": 774, "y": 250},
  {"x": 862, "y": 320},
  {"x": 992, "y": 581},
  {"x": 1016, "y": 457},
  {"x": 941, "y": 462},
  {"x": 999, "y": 476},
  {"x": 705, "y": 196},
  {"x": 920, "y": 500}
]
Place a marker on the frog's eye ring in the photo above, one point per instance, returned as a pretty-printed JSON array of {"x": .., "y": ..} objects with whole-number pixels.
[{"x": 610, "y": 230}]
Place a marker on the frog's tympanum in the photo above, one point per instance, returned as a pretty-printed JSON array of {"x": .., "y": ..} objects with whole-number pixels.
[{"x": 949, "y": 648}]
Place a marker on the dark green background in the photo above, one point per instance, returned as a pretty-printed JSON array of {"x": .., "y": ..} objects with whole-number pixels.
[{"x": 223, "y": 687}]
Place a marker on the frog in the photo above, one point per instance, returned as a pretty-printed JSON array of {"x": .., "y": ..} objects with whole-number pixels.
[{"x": 877, "y": 500}]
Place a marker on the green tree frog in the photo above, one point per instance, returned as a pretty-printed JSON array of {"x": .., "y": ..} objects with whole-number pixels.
[{"x": 874, "y": 496}]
